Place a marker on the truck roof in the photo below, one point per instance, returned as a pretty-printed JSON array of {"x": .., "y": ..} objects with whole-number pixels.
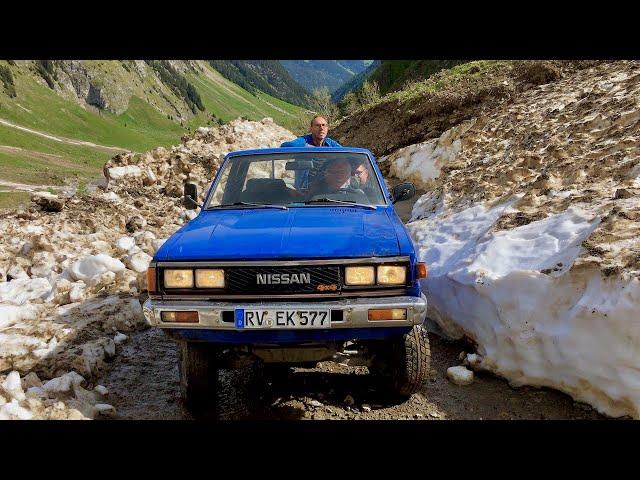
[{"x": 297, "y": 150}]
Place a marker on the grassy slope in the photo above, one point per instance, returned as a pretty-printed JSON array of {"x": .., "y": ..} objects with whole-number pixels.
[
  {"x": 228, "y": 101},
  {"x": 10, "y": 200},
  {"x": 139, "y": 128}
]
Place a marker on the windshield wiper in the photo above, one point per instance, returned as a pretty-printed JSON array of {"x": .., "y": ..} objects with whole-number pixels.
[
  {"x": 342, "y": 202},
  {"x": 249, "y": 204}
]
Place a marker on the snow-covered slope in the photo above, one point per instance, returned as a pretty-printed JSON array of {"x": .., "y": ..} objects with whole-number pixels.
[{"x": 531, "y": 230}]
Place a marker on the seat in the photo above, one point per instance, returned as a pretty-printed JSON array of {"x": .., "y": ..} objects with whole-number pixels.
[{"x": 265, "y": 190}]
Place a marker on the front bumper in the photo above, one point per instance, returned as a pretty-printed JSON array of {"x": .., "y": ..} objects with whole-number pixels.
[{"x": 354, "y": 312}]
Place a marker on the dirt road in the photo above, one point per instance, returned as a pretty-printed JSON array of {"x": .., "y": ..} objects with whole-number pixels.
[
  {"x": 143, "y": 384},
  {"x": 70, "y": 141}
]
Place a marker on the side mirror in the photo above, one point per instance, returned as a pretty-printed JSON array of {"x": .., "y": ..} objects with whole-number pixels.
[
  {"x": 190, "y": 196},
  {"x": 402, "y": 192}
]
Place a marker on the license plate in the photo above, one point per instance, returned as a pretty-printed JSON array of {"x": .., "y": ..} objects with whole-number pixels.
[{"x": 258, "y": 318}]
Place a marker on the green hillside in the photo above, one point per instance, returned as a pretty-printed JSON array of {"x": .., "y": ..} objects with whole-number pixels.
[
  {"x": 268, "y": 76},
  {"x": 393, "y": 75},
  {"x": 26, "y": 101}
]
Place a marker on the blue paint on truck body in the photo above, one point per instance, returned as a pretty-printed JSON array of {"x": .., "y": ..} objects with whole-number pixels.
[{"x": 304, "y": 233}]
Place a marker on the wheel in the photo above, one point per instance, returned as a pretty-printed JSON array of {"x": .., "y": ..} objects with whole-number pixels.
[
  {"x": 403, "y": 364},
  {"x": 277, "y": 372},
  {"x": 198, "y": 367}
]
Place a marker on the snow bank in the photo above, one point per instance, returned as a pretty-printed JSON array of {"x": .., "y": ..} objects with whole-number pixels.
[
  {"x": 536, "y": 320},
  {"x": 422, "y": 163}
]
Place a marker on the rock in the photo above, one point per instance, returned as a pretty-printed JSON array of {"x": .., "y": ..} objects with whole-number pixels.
[
  {"x": 104, "y": 410},
  {"x": 119, "y": 173},
  {"x": 135, "y": 223},
  {"x": 31, "y": 380},
  {"x": 16, "y": 272},
  {"x": 13, "y": 411},
  {"x": 120, "y": 338},
  {"x": 149, "y": 178},
  {"x": 418, "y": 415},
  {"x": 63, "y": 383},
  {"x": 315, "y": 403},
  {"x": 622, "y": 193},
  {"x": 48, "y": 201},
  {"x": 138, "y": 262},
  {"x": 77, "y": 293},
  {"x": 460, "y": 375},
  {"x": 13, "y": 387},
  {"x": 111, "y": 197},
  {"x": 102, "y": 390},
  {"x": 473, "y": 360},
  {"x": 366, "y": 408},
  {"x": 348, "y": 400},
  {"x": 36, "y": 392}
]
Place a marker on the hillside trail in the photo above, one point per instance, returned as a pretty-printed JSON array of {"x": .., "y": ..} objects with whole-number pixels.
[
  {"x": 69, "y": 141},
  {"x": 143, "y": 384},
  {"x": 24, "y": 187}
]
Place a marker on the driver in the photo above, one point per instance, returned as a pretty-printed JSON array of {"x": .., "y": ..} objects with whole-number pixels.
[{"x": 336, "y": 179}]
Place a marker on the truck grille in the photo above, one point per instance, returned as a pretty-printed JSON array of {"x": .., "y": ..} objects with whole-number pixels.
[{"x": 322, "y": 279}]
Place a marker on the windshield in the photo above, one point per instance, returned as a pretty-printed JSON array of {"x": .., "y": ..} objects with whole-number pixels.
[{"x": 297, "y": 180}]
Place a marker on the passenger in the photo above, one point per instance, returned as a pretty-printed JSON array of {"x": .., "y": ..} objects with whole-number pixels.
[
  {"x": 319, "y": 129},
  {"x": 365, "y": 179}
]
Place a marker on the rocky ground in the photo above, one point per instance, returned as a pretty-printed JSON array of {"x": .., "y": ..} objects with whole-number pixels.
[
  {"x": 143, "y": 384},
  {"x": 72, "y": 267}
]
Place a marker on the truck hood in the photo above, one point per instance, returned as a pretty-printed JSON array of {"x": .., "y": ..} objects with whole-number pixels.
[{"x": 296, "y": 233}]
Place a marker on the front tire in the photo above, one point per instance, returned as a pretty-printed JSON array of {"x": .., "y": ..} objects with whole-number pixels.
[
  {"x": 198, "y": 367},
  {"x": 404, "y": 363}
]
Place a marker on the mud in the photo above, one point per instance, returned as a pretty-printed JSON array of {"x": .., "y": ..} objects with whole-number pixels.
[{"x": 143, "y": 385}]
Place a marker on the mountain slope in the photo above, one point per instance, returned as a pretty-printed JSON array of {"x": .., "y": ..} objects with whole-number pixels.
[
  {"x": 392, "y": 75},
  {"x": 355, "y": 82},
  {"x": 268, "y": 76},
  {"x": 123, "y": 104},
  {"x": 313, "y": 74}
]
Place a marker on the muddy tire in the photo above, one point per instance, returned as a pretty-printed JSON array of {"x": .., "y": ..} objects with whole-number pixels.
[
  {"x": 198, "y": 367},
  {"x": 403, "y": 365}
]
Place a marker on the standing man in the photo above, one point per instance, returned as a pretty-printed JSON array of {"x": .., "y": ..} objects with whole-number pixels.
[{"x": 317, "y": 137}]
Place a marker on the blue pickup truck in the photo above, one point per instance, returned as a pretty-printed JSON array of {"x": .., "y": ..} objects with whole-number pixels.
[{"x": 297, "y": 256}]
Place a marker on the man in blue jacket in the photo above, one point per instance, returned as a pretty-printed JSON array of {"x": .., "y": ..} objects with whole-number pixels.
[{"x": 317, "y": 137}]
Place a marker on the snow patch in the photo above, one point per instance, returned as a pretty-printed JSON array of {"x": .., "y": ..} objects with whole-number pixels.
[
  {"x": 536, "y": 320},
  {"x": 88, "y": 269}
]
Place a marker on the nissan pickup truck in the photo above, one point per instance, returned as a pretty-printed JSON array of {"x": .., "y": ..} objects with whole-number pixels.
[{"x": 297, "y": 256}]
